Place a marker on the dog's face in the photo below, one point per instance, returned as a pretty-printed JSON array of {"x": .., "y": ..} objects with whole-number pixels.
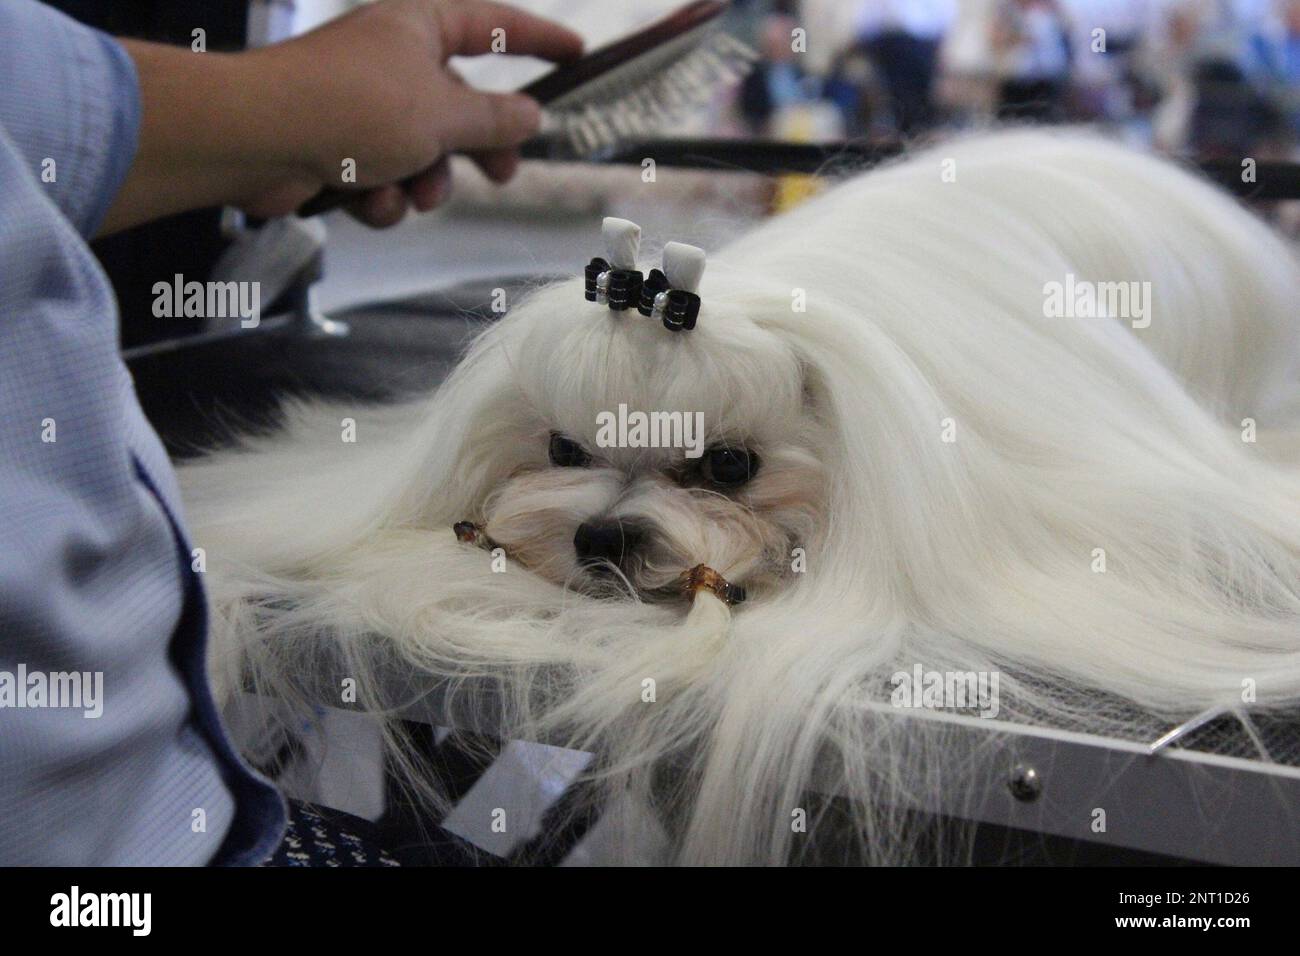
[{"x": 584, "y": 497}]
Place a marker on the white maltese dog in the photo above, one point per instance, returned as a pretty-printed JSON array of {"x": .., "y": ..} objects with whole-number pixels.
[{"x": 1026, "y": 404}]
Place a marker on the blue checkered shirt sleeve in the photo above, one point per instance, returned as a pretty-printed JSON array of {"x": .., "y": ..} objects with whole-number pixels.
[{"x": 96, "y": 588}]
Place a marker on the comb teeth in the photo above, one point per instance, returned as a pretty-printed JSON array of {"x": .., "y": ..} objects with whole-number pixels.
[{"x": 641, "y": 99}]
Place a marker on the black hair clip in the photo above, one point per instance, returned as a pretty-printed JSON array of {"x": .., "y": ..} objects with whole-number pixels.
[
  {"x": 681, "y": 309},
  {"x": 623, "y": 290},
  {"x": 655, "y": 283},
  {"x": 595, "y": 268}
]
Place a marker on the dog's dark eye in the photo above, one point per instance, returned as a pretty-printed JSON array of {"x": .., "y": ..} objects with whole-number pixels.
[
  {"x": 728, "y": 467},
  {"x": 567, "y": 453}
]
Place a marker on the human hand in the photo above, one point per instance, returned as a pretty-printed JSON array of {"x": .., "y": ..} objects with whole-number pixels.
[
  {"x": 366, "y": 102},
  {"x": 394, "y": 126}
]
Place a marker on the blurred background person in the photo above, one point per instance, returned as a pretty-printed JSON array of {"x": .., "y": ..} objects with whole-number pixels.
[
  {"x": 1276, "y": 54},
  {"x": 902, "y": 38},
  {"x": 1104, "y": 38},
  {"x": 1201, "y": 55},
  {"x": 1031, "y": 42},
  {"x": 778, "y": 80}
]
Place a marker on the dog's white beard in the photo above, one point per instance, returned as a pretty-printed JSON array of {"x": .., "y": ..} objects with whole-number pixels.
[{"x": 974, "y": 486}]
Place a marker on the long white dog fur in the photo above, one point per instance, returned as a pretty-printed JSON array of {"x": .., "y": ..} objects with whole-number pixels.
[{"x": 1105, "y": 512}]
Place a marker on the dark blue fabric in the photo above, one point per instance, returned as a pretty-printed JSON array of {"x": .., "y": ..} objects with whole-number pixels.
[{"x": 328, "y": 838}]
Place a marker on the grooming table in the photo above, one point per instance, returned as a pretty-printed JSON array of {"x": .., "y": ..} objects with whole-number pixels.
[
  {"x": 1196, "y": 797},
  {"x": 1198, "y": 793},
  {"x": 1182, "y": 802}
]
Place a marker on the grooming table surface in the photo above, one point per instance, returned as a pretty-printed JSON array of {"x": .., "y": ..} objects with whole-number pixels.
[{"x": 1207, "y": 797}]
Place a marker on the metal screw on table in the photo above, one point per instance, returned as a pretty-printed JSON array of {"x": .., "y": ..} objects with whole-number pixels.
[{"x": 1025, "y": 783}]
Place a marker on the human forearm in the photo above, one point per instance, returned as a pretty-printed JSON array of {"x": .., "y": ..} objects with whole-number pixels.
[{"x": 215, "y": 129}]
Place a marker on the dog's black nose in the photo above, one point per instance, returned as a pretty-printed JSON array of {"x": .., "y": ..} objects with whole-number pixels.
[{"x": 612, "y": 541}]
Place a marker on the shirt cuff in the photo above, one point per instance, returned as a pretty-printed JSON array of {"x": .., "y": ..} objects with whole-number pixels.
[
  {"x": 70, "y": 101},
  {"x": 114, "y": 120}
]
